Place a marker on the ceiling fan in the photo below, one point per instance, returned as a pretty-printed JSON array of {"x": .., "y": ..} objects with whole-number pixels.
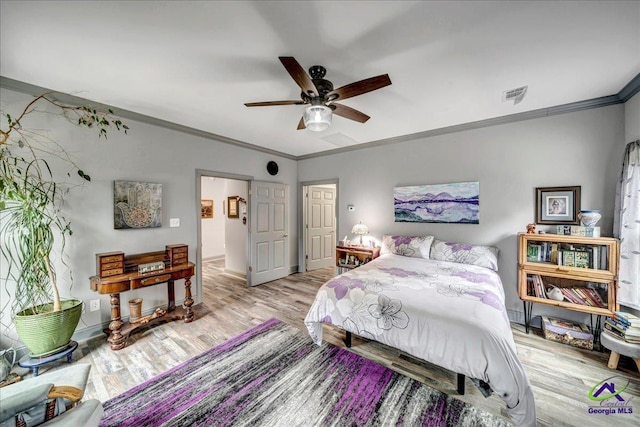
[{"x": 320, "y": 95}]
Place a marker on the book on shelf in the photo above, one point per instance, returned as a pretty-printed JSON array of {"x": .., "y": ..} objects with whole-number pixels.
[
  {"x": 537, "y": 286},
  {"x": 583, "y": 255},
  {"x": 542, "y": 252},
  {"x": 578, "y": 231},
  {"x": 594, "y": 257},
  {"x": 583, "y": 296}
]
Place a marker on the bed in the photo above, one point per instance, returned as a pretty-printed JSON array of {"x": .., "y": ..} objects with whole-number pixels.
[{"x": 441, "y": 302}]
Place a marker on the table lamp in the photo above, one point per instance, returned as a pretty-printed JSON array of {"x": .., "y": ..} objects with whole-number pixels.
[{"x": 360, "y": 229}]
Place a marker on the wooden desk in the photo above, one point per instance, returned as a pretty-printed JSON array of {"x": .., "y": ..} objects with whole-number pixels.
[{"x": 118, "y": 330}]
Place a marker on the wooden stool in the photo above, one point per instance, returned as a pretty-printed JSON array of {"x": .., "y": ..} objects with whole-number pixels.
[{"x": 618, "y": 347}]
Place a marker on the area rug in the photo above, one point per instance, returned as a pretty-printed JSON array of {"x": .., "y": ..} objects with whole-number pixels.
[{"x": 273, "y": 375}]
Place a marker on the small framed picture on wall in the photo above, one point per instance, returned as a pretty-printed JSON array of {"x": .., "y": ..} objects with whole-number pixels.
[
  {"x": 232, "y": 207},
  {"x": 206, "y": 208}
]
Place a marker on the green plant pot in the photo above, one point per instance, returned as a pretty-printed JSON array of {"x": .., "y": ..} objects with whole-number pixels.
[{"x": 49, "y": 332}]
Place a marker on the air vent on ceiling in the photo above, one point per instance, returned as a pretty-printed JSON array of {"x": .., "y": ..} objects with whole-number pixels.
[
  {"x": 516, "y": 95},
  {"x": 340, "y": 140}
]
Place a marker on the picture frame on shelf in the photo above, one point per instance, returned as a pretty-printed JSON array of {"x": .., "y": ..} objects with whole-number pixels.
[
  {"x": 558, "y": 205},
  {"x": 232, "y": 207}
]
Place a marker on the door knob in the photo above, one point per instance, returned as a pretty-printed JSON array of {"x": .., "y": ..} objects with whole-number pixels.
[{"x": 285, "y": 235}]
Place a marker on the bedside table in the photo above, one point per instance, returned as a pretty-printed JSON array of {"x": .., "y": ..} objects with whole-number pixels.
[{"x": 350, "y": 257}]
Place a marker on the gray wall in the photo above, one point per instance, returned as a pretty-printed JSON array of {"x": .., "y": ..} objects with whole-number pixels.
[
  {"x": 632, "y": 119},
  {"x": 148, "y": 153},
  {"x": 509, "y": 161},
  {"x": 582, "y": 148}
]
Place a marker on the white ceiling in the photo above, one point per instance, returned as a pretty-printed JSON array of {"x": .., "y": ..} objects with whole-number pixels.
[{"x": 196, "y": 63}]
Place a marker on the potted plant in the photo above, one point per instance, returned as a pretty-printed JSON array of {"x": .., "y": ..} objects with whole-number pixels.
[{"x": 32, "y": 227}]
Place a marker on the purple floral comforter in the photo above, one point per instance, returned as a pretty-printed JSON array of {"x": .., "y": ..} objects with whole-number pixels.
[{"x": 446, "y": 313}]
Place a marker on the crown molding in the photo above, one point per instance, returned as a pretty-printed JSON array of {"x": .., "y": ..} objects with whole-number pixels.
[
  {"x": 626, "y": 93},
  {"x": 34, "y": 90}
]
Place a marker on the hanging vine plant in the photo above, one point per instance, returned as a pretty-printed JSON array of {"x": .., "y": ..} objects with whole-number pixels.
[{"x": 32, "y": 196}]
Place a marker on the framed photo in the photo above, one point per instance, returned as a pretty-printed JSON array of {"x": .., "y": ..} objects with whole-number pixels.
[
  {"x": 558, "y": 205},
  {"x": 206, "y": 208},
  {"x": 232, "y": 207}
]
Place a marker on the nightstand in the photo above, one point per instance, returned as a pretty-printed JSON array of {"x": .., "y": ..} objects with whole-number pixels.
[{"x": 350, "y": 257}]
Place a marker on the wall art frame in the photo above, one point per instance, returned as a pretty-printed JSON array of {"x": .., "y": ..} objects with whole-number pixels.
[
  {"x": 558, "y": 205},
  {"x": 206, "y": 208},
  {"x": 452, "y": 203},
  {"x": 232, "y": 207},
  {"x": 137, "y": 204}
]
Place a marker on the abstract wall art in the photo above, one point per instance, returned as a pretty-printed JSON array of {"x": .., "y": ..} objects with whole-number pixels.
[
  {"x": 457, "y": 203},
  {"x": 137, "y": 205}
]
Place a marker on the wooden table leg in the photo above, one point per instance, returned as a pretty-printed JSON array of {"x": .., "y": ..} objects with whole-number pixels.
[
  {"x": 613, "y": 360},
  {"x": 116, "y": 339},
  {"x": 171, "y": 295},
  {"x": 188, "y": 300}
]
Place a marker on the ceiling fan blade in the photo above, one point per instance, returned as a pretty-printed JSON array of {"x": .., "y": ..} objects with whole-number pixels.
[
  {"x": 299, "y": 75},
  {"x": 301, "y": 124},
  {"x": 349, "y": 113},
  {"x": 358, "y": 88},
  {"x": 268, "y": 103}
]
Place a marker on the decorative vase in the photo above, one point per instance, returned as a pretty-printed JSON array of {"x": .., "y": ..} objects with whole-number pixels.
[
  {"x": 555, "y": 294},
  {"x": 589, "y": 218},
  {"x": 50, "y": 332}
]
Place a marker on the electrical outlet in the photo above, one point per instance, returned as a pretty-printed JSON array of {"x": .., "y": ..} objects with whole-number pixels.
[
  {"x": 174, "y": 222},
  {"x": 94, "y": 305}
]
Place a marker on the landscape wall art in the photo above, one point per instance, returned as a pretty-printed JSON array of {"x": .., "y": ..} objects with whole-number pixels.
[{"x": 457, "y": 203}]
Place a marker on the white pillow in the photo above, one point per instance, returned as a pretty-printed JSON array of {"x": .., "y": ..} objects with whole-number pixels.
[
  {"x": 464, "y": 253},
  {"x": 410, "y": 246}
]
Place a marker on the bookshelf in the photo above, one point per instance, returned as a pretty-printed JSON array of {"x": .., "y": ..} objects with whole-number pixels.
[{"x": 583, "y": 271}]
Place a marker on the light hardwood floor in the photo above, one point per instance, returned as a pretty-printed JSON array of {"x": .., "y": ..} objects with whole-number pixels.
[{"x": 561, "y": 375}]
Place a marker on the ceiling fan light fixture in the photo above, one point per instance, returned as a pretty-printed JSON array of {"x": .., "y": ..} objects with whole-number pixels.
[{"x": 317, "y": 117}]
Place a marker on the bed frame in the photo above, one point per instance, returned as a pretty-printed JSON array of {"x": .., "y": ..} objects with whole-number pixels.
[{"x": 459, "y": 377}]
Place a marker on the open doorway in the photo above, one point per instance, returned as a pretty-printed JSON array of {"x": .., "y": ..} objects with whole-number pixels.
[
  {"x": 223, "y": 227},
  {"x": 319, "y": 223}
]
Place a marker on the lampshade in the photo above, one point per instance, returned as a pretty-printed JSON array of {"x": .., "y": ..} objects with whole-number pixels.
[
  {"x": 360, "y": 229},
  {"x": 317, "y": 117}
]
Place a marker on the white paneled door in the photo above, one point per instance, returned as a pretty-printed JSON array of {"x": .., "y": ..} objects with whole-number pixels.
[
  {"x": 269, "y": 233},
  {"x": 321, "y": 227}
]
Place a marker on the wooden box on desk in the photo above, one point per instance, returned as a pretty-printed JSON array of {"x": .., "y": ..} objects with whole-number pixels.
[
  {"x": 565, "y": 331},
  {"x": 178, "y": 254},
  {"x": 109, "y": 264}
]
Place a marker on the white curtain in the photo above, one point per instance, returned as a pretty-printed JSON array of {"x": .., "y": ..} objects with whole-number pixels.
[{"x": 627, "y": 226}]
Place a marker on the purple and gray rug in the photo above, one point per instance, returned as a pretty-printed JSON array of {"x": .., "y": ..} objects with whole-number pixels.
[{"x": 273, "y": 375}]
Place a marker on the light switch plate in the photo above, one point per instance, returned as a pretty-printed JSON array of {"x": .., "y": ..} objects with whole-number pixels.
[{"x": 174, "y": 222}]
